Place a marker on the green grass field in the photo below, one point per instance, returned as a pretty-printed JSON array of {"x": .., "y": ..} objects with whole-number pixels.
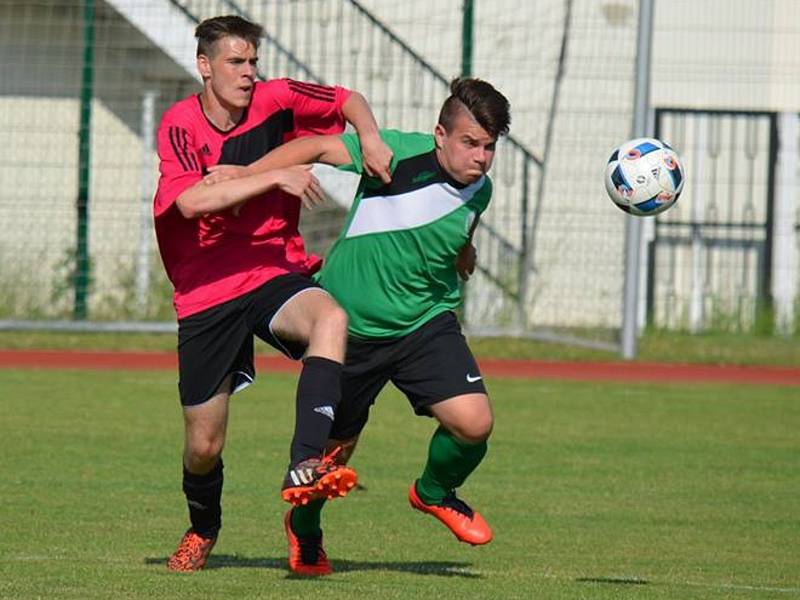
[
  {"x": 594, "y": 491},
  {"x": 654, "y": 346}
]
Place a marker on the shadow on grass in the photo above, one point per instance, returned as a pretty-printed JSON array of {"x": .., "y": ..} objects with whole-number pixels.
[
  {"x": 613, "y": 580},
  {"x": 438, "y": 568}
]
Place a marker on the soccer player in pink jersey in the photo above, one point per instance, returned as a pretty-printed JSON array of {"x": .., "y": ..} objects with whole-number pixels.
[{"x": 239, "y": 268}]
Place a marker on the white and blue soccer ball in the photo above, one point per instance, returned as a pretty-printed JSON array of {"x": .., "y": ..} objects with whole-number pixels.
[{"x": 644, "y": 176}]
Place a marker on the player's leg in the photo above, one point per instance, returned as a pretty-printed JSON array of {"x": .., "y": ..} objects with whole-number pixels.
[
  {"x": 303, "y": 524},
  {"x": 456, "y": 449},
  {"x": 314, "y": 318},
  {"x": 441, "y": 379},
  {"x": 458, "y": 445},
  {"x": 215, "y": 357},
  {"x": 363, "y": 378},
  {"x": 307, "y": 517},
  {"x": 204, "y": 428},
  {"x": 296, "y": 316}
]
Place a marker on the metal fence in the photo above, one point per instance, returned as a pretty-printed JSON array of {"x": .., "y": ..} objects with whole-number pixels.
[{"x": 86, "y": 82}]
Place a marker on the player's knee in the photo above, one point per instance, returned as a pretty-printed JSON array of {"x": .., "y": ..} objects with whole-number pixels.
[
  {"x": 474, "y": 430},
  {"x": 336, "y": 320},
  {"x": 331, "y": 323},
  {"x": 204, "y": 450}
]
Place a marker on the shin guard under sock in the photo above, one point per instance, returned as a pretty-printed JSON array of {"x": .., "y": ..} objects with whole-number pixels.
[
  {"x": 450, "y": 461},
  {"x": 318, "y": 395},
  {"x": 203, "y": 496},
  {"x": 306, "y": 519}
]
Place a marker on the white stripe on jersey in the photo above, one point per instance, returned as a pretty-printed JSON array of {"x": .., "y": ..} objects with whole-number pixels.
[{"x": 406, "y": 211}]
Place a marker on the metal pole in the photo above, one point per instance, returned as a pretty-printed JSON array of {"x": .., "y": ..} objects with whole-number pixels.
[
  {"x": 633, "y": 225},
  {"x": 468, "y": 16},
  {"x": 525, "y": 260},
  {"x": 146, "y": 203},
  {"x": 84, "y": 159}
]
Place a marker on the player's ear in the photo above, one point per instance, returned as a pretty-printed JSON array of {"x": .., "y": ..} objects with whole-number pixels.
[
  {"x": 439, "y": 133},
  {"x": 203, "y": 66}
]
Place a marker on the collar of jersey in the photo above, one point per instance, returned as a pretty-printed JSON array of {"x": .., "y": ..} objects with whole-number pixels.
[{"x": 217, "y": 129}]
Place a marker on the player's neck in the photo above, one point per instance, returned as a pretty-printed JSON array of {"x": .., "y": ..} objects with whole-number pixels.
[
  {"x": 220, "y": 115},
  {"x": 441, "y": 161}
]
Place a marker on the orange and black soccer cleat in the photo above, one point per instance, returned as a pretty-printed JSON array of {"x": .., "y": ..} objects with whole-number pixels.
[
  {"x": 318, "y": 478},
  {"x": 192, "y": 552},
  {"x": 306, "y": 555},
  {"x": 466, "y": 524}
]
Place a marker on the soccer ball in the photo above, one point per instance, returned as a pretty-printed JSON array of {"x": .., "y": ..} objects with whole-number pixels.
[{"x": 644, "y": 176}]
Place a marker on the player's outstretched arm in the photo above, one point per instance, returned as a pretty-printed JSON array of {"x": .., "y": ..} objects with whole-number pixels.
[
  {"x": 202, "y": 198},
  {"x": 328, "y": 149}
]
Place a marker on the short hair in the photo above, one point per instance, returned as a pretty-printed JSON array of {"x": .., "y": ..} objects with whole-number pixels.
[
  {"x": 488, "y": 106},
  {"x": 210, "y": 31}
]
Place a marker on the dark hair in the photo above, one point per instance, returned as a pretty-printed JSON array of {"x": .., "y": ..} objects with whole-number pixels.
[
  {"x": 488, "y": 106},
  {"x": 211, "y": 30}
]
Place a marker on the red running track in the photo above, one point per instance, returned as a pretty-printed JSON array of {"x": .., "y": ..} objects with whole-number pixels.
[{"x": 518, "y": 369}]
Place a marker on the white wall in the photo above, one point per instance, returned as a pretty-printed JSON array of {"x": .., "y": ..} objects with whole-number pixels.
[
  {"x": 732, "y": 54},
  {"x": 39, "y": 136}
]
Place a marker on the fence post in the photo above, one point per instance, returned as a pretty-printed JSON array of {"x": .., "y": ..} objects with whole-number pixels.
[
  {"x": 633, "y": 225},
  {"x": 84, "y": 163},
  {"x": 467, "y": 18},
  {"x": 785, "y": 233},
  {"x": 145, "y": 208}
]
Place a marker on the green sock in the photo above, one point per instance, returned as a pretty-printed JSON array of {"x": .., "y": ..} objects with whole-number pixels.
[
  {"x": 450, "y": 461},
  {"x": 306, "y": 519}
]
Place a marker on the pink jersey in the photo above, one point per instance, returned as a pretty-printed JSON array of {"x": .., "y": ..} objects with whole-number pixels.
[{"x": 220, "y": 256}]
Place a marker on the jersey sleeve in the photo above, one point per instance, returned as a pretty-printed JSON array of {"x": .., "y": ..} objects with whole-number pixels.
[
  {"x": 179, "y": 166},
  {"x": 317, "y": 108},
  {"x": 353, "y": 145}
]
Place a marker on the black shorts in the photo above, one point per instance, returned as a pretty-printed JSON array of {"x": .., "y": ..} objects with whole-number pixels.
[
  {"x": 218, "y": 341},
  {"x": 429, "y": 365}
]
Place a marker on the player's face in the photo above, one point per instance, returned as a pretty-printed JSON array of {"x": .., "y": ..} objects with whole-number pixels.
[
  {"x": 231, "y": 72},
  {"x": 467, "y": 150}
]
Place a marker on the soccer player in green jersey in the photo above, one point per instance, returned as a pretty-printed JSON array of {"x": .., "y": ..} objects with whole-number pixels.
[{"x": 394, "y": 269}]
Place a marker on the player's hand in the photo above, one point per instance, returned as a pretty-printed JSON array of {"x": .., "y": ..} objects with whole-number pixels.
[
  {"x": 299, "y": 181},
  {"x": 377, "y": 158},
  {"x": 219, "y": 173},
  {"x": 466, "y": 260}
]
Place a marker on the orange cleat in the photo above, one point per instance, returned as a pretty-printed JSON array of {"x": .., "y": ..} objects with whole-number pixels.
[
  {"x": 306, "y": 555},
  {"x": 318, "y": 478},
  {"x": 466, "y": 524},
  {"x": 192, "y": 552}
]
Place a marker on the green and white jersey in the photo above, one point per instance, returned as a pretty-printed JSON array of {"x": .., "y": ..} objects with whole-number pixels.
[{"x": 393, "y": 266}]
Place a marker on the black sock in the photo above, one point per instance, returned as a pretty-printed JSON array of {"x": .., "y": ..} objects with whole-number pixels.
[
  {"x": 318, "y": 395},
  {"x": 203, "y": 494}
]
